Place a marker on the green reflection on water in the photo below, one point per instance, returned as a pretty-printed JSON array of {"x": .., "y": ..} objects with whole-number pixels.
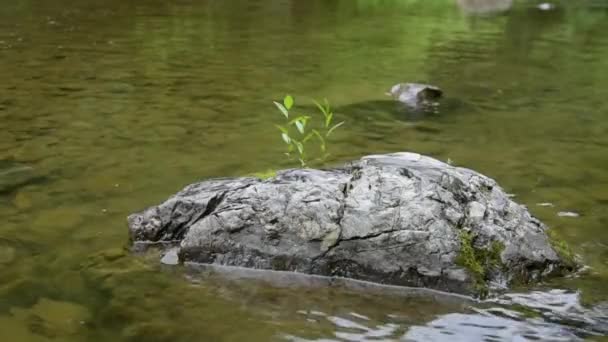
[{"x": 114, "y": 106}]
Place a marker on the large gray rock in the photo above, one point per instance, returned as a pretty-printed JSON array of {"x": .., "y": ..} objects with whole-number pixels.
[{"x": 400, "y": 219}]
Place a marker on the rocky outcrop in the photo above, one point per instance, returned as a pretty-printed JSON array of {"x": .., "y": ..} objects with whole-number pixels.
[{"x": 400, "y": 219}]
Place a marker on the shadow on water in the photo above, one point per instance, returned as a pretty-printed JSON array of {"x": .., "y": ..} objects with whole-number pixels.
[
  {"x": 555, "y": 315},
  {"x": 395, "y": 110},
  {"x": 376, "y": 115}
]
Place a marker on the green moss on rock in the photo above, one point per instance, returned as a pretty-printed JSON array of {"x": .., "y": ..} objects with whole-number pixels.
[
  {"x": 479, "y": 261},
  {"x": 265, "y": 174},
  {"x": 562, "y": 249}
]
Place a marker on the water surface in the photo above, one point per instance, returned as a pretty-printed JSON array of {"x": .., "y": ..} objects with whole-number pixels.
[{"x": 108, "y": 107}]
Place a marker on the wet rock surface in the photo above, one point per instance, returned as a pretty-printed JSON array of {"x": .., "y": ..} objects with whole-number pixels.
[
  {"x": 401, "y": 219},
  {"x": 416, "y": 96}
]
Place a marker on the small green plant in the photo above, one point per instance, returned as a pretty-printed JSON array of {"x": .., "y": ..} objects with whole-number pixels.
[{"x": 303, "y": 124}]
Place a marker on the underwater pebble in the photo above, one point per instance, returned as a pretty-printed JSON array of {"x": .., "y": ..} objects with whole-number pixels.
[
  {"x": 22, "y": 201},
  {"x": 7, "y": 255},
  {"x": 545, "y": 6},
  {"x": 568, "y": 214}
]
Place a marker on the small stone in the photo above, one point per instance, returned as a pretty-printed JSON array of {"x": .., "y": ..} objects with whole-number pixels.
[
  {"x": 458, "y": 274},
  {"x": 170, "y": 257},
  {"x": 415, "y": 95},
  {"x": 476, "y": 212}
]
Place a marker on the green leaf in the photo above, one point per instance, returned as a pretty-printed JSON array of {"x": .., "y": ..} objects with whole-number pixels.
[
  {"x": 328, "y": 119},
  {"x": 300, "y": 125},
  {"x": 282, "y": 108},
  {"x": 334, "y": 128},
  {"x": 282, "y": 129},
  {"x": 299, "y": 146},
  {"x": 288, "y": 102},
  {"x": 327, "y": 106},
  {"x": 321, "y": 108},
  {"x": 321, "y": 139},
  {"x": 308, "y": 136},
  {"x": 302, "y": 162},
  {"x": 286, "y": 138},
  {"x": 303, "y": 118},
  {"x": 316, "y": 133}
]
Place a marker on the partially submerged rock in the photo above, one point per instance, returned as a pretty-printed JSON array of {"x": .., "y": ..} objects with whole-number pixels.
[
  {"x": 401, "y": 219},
  {"x": 417, "y": 96}
]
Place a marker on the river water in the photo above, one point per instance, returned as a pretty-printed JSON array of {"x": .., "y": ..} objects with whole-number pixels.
[{"x": 107, "y": 107}]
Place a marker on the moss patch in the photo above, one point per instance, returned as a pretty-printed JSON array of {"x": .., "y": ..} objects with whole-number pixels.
[
  {"x": 479, "y": 261},
  {"x": 562, "y": 249},
  {"x": 265, "y": 174}
]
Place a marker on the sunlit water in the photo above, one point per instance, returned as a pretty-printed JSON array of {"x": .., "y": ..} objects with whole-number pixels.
[{"x": 108, "y": 107}]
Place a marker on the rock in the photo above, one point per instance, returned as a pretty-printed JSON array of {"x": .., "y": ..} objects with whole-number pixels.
[
  {"x": 170, "y": 257},
  {"x": 415, "y": 95},
  {"x": 400, "y": 219}
]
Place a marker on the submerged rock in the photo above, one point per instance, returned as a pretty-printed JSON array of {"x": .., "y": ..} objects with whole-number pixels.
[
  {"x": 7, "y": 254},
  {"x": 54, "y": 319},
  {"x": 15, "y": 175},
  {"x": 401, "y": 219}
]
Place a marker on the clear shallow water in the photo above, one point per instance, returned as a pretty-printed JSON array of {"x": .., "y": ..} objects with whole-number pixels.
[{"x": 106, "y": 108}]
